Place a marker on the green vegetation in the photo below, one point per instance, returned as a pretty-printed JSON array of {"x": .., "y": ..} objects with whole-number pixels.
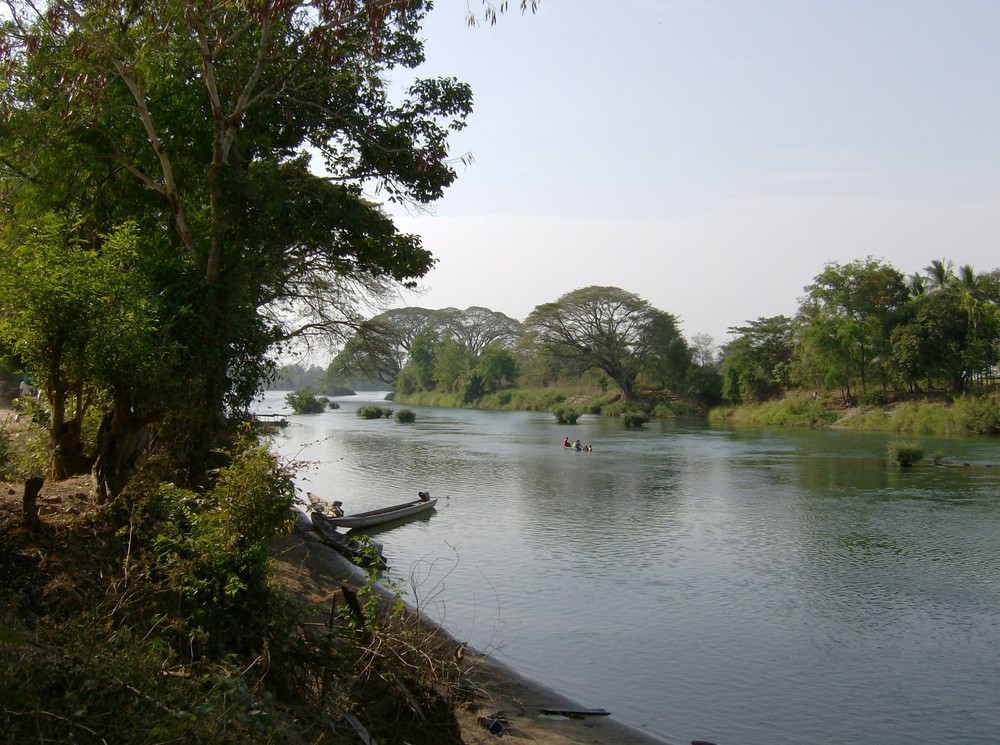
[
  {"x": 965, "y": 415},
  {"x": 307, "y": 402},
  {"x": 406, "y": 416},
  {"x": 149, "y": 272},
  {"x": 634, "y": 419},
  {"x": 153, "y": 619},
  {"x": 154, "y": 261},
  {"x": 477, "y": 357},
  {"x": 566, "y": 414},
  {"x": 865, "y": 339},
  {"x": 795, "y": 411},
  {"x": 905, "y": 453},
  {"x": 374, "y": 412}
]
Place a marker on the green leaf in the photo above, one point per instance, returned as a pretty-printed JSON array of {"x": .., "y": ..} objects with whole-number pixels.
[{"x": 10, "y": 636}]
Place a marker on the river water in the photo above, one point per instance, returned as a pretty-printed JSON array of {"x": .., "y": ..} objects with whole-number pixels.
[{"x": 742, "y": 586}]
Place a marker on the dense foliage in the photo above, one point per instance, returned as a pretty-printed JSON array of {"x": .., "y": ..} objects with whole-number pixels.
[
  {"x": 863, "y": 332},
  {"x": 477, "y": 354},
  {"x": 156, "y": 167},
  {"x": 163, "y": 233},
  {"x": 307, "y": 402}
]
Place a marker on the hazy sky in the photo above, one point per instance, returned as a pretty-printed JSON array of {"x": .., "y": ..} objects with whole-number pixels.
[{"x": 712, "y": 156}]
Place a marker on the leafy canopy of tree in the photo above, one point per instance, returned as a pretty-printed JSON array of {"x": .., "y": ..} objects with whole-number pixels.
[
  {"x": 382, "y": 346},
  {"x": 85, "y": 323},
  {"x": 607, "y": 329},
  {"x": 854, "y": 307},
  {"x": 191, "y": 123},
  {"x": 863, "y": 323},
  {"x": 755, "y": 364}
]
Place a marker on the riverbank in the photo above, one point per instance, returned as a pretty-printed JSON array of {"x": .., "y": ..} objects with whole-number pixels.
[
  {"x": 888, "y": 411},
  {"x": 313, "y": 573},
  {"x": 921, "y": 414},
  {"x": 76, "y": 555}
]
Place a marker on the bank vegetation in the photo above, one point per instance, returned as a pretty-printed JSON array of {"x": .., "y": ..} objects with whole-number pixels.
[{"x": 869, "y": 349}]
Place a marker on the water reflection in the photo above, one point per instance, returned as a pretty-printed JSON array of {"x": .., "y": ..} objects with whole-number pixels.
[{"x": 737, "y": 586}]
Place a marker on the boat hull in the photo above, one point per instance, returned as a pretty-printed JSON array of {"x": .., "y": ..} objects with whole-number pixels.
[{"x": 384, "y": 515}]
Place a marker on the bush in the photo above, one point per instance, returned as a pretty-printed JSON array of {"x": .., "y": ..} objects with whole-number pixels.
[
  {"x": 164, "y": 628},
  {"x": 873, "y": 398},
  {"x": 905, "y": 453},
  {"x": 339, "y": 390},
  {"x": 980, "y": 415},
  {"x": 24, "y": 450},
  {"x": 634, "y": 419},
  {"x": 306, "y": 402},
  {"x": 566, "y": 414},
  {"x": 406, "y": 416},
  {"x": 794, "y": 411},
  {"x": 374, "y": 412},
  {"x": 332, "y": 405},
  {"x": 473, "y": 389},
  {"x": 210, "y": 551}
]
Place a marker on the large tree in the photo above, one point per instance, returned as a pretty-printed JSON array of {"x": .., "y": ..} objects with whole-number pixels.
[
  {"x": 83, "y": 323},
  {"x": 476, "y": 327},
  {"x": 193, "y": 120},
  {"x": 755, "y": 364},
  {"x": 852, "y": 308},
  {"x": 380, "y": 347},
  {"x": 602, "y": 328}
]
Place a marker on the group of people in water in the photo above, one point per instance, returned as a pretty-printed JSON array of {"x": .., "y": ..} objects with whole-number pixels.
[{"x": 577, "y": 446}]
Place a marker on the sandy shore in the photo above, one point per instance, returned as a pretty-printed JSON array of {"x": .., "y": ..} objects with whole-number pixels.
[{"x": 307, "y": 567}]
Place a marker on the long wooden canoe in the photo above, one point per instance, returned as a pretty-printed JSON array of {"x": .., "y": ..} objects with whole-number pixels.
[{"x": 383, "y": 515}]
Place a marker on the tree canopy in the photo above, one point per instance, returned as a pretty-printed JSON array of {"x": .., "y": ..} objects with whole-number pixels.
[
  {"x": 196, "y": 124},
  {"x": 603, "y": 328},
  {"x": 382, "y": 346}
]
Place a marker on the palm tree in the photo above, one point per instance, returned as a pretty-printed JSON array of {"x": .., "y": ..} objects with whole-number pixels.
[
  {"x": 967, "y": 280},
  {"x": 939, "y": 274},
  {"x": 969, "y": 286}
]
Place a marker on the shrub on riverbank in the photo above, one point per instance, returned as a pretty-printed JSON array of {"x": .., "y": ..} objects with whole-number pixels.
[
  {"x": 789, "y": 412},
  {"x": 306, "y": 402},
  {"x": 634, "y": 419},
  {"x": 966, "y": 415},
  {"x": 152, "y": 619}
]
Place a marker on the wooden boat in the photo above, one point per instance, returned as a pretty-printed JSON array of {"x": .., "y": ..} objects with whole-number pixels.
[
  {"x": 386, "y": 514},
  {"x": 351, "y": 548},
  {"x": 271, "y": 420}
]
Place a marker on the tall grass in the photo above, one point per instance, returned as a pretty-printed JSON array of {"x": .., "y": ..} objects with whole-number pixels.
[
  {"x": 966, "y": 415},
  {"x": 789, "y": 412},
  {"x": 979, "y": 415},
  {"x": 912, "y": 417},
  {"x": 905, "y": 453}
]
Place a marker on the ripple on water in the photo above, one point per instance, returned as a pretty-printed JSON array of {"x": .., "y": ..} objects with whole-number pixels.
[{"x": 735, "y": 586}]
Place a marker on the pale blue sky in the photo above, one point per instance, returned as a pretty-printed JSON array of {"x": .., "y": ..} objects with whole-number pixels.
[{"x": 712, "y": 156}]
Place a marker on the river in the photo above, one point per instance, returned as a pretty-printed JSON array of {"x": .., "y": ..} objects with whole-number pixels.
[{"x": 742, "y": 586}]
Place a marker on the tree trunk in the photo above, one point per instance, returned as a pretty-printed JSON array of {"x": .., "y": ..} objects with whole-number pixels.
[
  {"x": 121, "y": 441},
  {"x": 29, "y": 504},
  {"x": 68, "y": 458}
]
